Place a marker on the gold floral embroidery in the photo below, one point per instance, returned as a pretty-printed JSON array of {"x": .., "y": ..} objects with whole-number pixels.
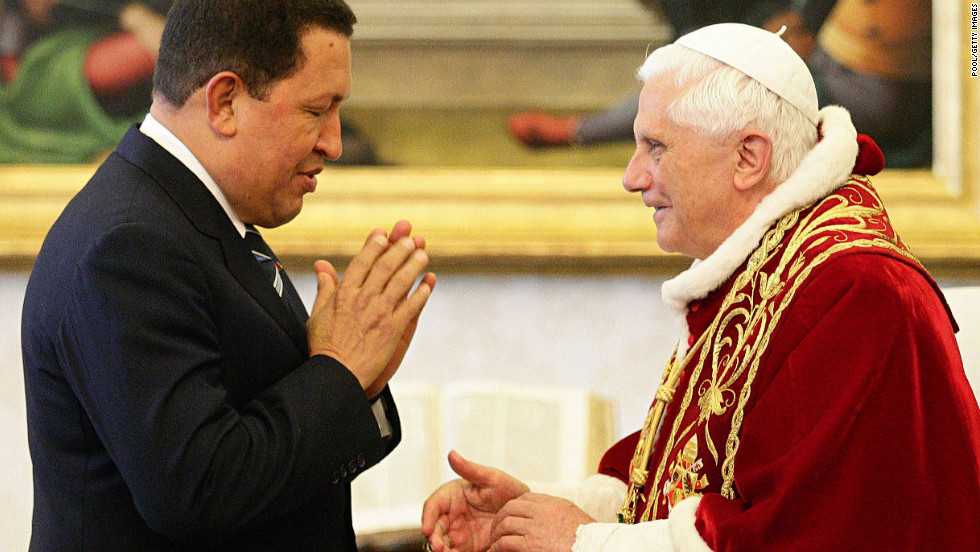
[{"x": 739, "y": 336}]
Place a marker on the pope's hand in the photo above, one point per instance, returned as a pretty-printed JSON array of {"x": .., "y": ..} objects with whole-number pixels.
[
  {"x": 536, "y": 523},
  {"x": 458, "y": 517}
]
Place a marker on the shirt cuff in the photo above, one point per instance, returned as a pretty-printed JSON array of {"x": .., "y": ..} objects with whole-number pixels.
[{"x": 381, "y": 415}]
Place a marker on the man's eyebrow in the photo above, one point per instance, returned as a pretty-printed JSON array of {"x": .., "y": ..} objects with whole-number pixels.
[{"x": 328, "y": 99}]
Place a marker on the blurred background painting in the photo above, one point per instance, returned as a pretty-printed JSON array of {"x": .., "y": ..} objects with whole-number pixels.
[
  {"x": 468, "y": 82},
  {"x": 75, "y": 75}
]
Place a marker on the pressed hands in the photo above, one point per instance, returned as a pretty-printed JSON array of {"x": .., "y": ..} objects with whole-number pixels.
[
  {"x": 490, "y": 510},
  {"x": 367, "y": 320}
]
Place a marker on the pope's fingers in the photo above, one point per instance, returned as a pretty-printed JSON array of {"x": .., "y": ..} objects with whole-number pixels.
[
  {"x": 527, "y": 499},
  {"x": 507, "y": 543},
  {"x": 508, "y": 524},
  {"x": 517, "y": 507}
]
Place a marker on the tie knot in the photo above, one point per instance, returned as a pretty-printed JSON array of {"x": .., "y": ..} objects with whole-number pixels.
[
  {"x": 255, "y": 242},
  {"x": 265, "y": 257}
]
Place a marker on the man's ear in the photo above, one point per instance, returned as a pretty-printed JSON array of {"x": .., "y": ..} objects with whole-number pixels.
[
  {"x": 222, "y": 93},
  {"x": 754, "y": 156}
]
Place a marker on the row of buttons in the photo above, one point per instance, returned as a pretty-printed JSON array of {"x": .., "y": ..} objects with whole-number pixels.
[{"x": 350, "y": 469}]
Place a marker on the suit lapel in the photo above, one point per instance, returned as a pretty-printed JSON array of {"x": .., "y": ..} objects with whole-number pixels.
[
  {"x": 207, "y": 215},
  {"x": 241, "y": 263}
]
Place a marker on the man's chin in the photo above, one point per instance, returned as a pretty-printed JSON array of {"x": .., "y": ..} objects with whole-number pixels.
[
  {"x": 280, "y": 216},
  {"x": 287, "y": 217}
]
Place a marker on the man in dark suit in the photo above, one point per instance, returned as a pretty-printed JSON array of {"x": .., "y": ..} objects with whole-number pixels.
[{"x": 175, "y": 399}]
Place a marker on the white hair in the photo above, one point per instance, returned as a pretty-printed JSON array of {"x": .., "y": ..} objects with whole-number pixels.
[{"x": 720, "y": 100}]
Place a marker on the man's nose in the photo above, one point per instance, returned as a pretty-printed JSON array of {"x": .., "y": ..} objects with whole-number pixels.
[
  {"x": 329, "y": 142},
  {"x": 636, "y": 177}
]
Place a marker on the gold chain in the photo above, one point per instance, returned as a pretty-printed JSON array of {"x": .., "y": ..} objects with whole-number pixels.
[{"x": 640, "y": 464}]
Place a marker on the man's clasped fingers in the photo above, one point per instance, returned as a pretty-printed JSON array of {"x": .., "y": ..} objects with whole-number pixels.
[
  {"x": 385, "y": 272},
  {"x": 361, "y": 265},
  {"x": 396, "y": 286},
  {"x": 367, "y": 319},
  {"x": 392, "y": 260}
]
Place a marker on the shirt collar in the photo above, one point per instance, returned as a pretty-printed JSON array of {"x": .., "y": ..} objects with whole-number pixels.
[{"x": 161, "y": 135}]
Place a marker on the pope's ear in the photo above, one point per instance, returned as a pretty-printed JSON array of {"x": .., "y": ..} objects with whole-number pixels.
[
  {"x": 754, "y": 156},
  {"x": 222, "y": 93}
]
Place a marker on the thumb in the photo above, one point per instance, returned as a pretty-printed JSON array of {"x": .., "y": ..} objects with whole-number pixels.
[
  {"x": 326, "y": 283},
  {"x": 479, "y": 475}
]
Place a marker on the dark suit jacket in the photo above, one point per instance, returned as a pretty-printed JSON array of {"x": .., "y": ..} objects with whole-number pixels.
[{"x": 171, "y": 401}]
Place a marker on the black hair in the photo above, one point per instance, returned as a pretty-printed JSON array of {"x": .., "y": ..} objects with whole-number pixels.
[{"x": 259, "y": 40}]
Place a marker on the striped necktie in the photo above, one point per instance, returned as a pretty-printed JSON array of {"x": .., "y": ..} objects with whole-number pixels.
[{"x": 265, "y": 257}]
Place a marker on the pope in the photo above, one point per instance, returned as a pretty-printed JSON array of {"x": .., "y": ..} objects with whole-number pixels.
[{"x": 816, "y": 399}]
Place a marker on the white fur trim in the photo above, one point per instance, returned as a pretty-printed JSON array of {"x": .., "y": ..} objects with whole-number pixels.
[
  {"x": 683, "y": 535},
  {"x": 675, "y": 534},
  {"x": 600, "y": 495},
  {"x": 823, "y": 170},
  {"x": 651, "y": 536}
]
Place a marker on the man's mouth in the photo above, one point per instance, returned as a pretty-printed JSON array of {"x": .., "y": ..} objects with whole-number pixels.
[{"x": 310, "y": 178}]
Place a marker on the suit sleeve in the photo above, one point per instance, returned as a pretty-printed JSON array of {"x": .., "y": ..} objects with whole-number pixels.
[{"x": 143, "y": 355}]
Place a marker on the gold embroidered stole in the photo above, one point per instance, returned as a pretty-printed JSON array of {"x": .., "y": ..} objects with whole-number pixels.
[{"x": 698, "y": 440}]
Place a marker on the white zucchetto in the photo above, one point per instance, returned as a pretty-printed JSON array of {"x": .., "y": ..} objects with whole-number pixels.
[{"x": 761, "y": 55}]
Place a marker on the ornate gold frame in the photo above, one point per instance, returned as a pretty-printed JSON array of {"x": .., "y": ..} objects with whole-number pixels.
[{"x": 513, "y": 219}]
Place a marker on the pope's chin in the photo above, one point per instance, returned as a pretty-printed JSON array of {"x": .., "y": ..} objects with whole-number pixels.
[
  {"x": 663, "y": 230},
  {"x": 666, "y": 240},
  {"x": 665, "y": 245}
]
